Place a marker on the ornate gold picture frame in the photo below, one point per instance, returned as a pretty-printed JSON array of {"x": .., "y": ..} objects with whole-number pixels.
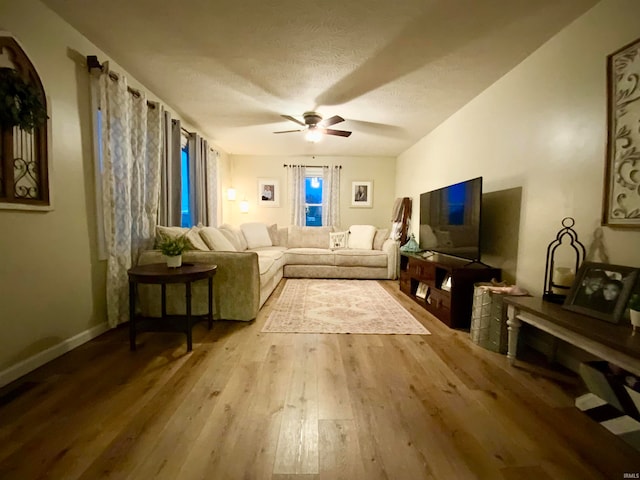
[{"x": 621, "y": 205}]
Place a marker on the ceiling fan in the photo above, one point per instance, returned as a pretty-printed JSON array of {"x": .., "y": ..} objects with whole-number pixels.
[{"x": 316, "y": 127}]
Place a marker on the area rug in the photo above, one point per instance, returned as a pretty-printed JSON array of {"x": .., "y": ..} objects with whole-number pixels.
[{"x": 339, "y": 306}]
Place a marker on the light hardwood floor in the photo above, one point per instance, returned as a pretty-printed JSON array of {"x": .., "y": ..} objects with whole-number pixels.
[{"x": 249, "y": 405}]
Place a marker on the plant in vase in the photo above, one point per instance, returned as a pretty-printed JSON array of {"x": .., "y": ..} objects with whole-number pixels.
[
  {"x": 20, "y": 102},
  {"x": 634, "y": 311},
  {"x": 172, "y": 249}
]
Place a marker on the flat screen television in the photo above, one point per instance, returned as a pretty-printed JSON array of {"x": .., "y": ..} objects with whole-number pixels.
[{"x": 450, "y": 219}]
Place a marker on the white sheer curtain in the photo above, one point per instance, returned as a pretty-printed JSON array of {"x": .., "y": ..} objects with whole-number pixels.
[
  {"x": 212, "y": 188},
  {"x": 297, "y": 176},
  {"x": 130, "y": 152},
  {"x": 331, "y": 196}
]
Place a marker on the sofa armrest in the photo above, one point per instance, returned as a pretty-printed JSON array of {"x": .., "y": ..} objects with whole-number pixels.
[
  {"x": 236, "y": 286},
  {"x": 391, "y": 248}
]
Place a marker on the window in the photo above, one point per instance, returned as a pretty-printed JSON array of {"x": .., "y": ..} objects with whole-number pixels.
[
  {"x": 24, "y": 172},
  {"x": 313, "y": 198},
  {"x": 185, "y": 205}
]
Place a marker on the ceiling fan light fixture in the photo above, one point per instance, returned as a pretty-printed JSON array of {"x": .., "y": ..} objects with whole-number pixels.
[{"x": 313, "y": 135}]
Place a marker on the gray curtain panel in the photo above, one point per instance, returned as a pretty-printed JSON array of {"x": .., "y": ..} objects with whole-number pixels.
[
  {"x": 198, "y": 160},
  {"x": 170, "y": 175}
]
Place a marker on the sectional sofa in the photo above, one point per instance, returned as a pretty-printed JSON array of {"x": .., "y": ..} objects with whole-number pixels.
[{"x": 253, "y": 258}]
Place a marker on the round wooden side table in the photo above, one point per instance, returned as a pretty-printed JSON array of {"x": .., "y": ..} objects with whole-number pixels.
[{"x": 160, "y": 274}]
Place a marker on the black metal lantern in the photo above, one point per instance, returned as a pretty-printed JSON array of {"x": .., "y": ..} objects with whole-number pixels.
[{"x": 558, "y": 280}]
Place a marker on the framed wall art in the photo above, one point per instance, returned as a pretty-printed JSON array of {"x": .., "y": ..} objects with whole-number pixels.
[
  {"x": 601, "y": 290},
  {"x": 362, "y": 194},
  {"x": 621, "y": 203},
  {"x": 268, "y": 192}
]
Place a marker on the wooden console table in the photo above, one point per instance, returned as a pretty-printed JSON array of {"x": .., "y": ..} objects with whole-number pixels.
[
  {"x": 611, "y": 342},
  {"x": 451, "y": 305},
  {"x": 159, "y": 273}
]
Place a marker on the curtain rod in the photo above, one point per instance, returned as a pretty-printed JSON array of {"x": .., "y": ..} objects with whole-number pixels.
[
  {"x": 92, "y": 62},
  {"x": 311, "y": 166}
]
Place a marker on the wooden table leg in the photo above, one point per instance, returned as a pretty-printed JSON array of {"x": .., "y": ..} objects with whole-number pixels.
[
  {"x": 188, "y": 299},
  {"x": 132, "y": 315},
  {"x": 513, "y": 326}
]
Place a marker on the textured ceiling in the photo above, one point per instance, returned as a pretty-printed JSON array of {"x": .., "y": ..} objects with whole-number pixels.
[{"x": 393, "y": 70}]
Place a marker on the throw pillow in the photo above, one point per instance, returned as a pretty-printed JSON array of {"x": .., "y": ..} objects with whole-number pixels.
[
  {"x": 191, "y": 234},
  {"x": 256, "y": 235},
  {"x": 216, "y": 240},
  {"x": 236, "y": 234},
  {"x": 273, "y": 233},
  {"x": 361, "y": 236},
  {"x": 381, "y": 235},
  {"x": 195, "y": 240},
  {"x": 338, "y": 240}
]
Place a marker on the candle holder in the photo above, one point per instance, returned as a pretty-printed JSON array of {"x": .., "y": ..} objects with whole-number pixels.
[{"x": 556, "y": 278}]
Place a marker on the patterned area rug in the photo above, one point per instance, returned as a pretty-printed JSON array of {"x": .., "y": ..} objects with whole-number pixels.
[
  {"x": 610, "y": 418},
  {"x": 339, "y": 306}
]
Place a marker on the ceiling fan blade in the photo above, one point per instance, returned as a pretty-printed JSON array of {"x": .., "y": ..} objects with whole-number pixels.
[
  {"x": 339, "y": 133},
  {"x": 289, "y": 117},
  {"x": 291, "y": 131},
  {"x": 332, "y": 121}
]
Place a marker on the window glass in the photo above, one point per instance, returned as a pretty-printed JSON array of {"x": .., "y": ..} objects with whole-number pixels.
[
  {"x": 313, "y": 203},
  {"x": 185, "y": 219}
]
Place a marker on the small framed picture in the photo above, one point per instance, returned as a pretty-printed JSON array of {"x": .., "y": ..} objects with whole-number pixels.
[
  {"x": 601, "y": 290},
  {"x": 446, "y": 283},
  {"x": 362, "y": 194},
  {"x": 268, "y": 192},
  {"x": 422, "y": 291}
]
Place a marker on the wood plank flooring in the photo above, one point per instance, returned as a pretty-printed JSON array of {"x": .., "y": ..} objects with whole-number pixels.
[{"x": 250, "y": 405}]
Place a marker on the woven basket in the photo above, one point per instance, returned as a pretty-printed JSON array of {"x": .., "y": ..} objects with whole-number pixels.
[{"x": 488, "y": 322}]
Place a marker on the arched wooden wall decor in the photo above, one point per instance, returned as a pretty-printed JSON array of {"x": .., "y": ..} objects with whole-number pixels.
[{"x": 24, "y": 177}]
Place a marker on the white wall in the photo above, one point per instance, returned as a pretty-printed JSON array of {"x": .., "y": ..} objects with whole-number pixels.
[
  {"x": 51, "y": 282},
  {"x": 541, "y": 127},
  {"x": 246, "y": 170}
]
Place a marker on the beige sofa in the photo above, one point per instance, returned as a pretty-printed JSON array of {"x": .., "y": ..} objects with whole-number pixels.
[{"x": 248, "y": 274}]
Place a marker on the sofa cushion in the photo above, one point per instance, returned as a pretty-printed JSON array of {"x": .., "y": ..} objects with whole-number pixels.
[
  {"x": 283, "y": 237},
  {"x": 216, "y": 240},
  {"x": 194, "y": 242},
  {"x": 235, "y": 236},
  {"x": 360, "y": 258},
  {"x": 381, "y": 235},
  {"x": 309, "y": 256},
  {"x": 270, "y": 259},
  {"x": 309, "y": 237},
  {"x": 338, "y": 240},
  {"x": 256, "y": 234},
  {"x": 273, "y": 234},
  {"x": 361, "y": 236}
]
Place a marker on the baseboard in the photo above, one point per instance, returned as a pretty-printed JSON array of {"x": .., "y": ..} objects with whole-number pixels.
[{"x": 22, "y": 368}]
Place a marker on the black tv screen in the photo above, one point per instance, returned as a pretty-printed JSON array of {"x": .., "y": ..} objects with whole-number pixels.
[{"x": 450, "y": 219}]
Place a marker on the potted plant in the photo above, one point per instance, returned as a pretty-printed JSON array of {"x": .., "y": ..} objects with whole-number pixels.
[
  {"x": 172, "y": 248},
  {"x": 634, "y": 311},
  {"x": 20, "y": 102}
]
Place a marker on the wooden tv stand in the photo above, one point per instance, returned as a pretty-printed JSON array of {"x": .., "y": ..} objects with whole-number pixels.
[{"x": 452, "y": 306}]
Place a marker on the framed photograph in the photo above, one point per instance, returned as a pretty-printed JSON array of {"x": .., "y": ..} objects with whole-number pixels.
[
  {"x": 268, "y": 192},
  {"x": 362, "y": 194},
  {"x": 601, "y": 290},
  {"x": 446, "y": 283},
  {"x": 621, "y": 202},
  {"x": 422, "y": 291}
]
